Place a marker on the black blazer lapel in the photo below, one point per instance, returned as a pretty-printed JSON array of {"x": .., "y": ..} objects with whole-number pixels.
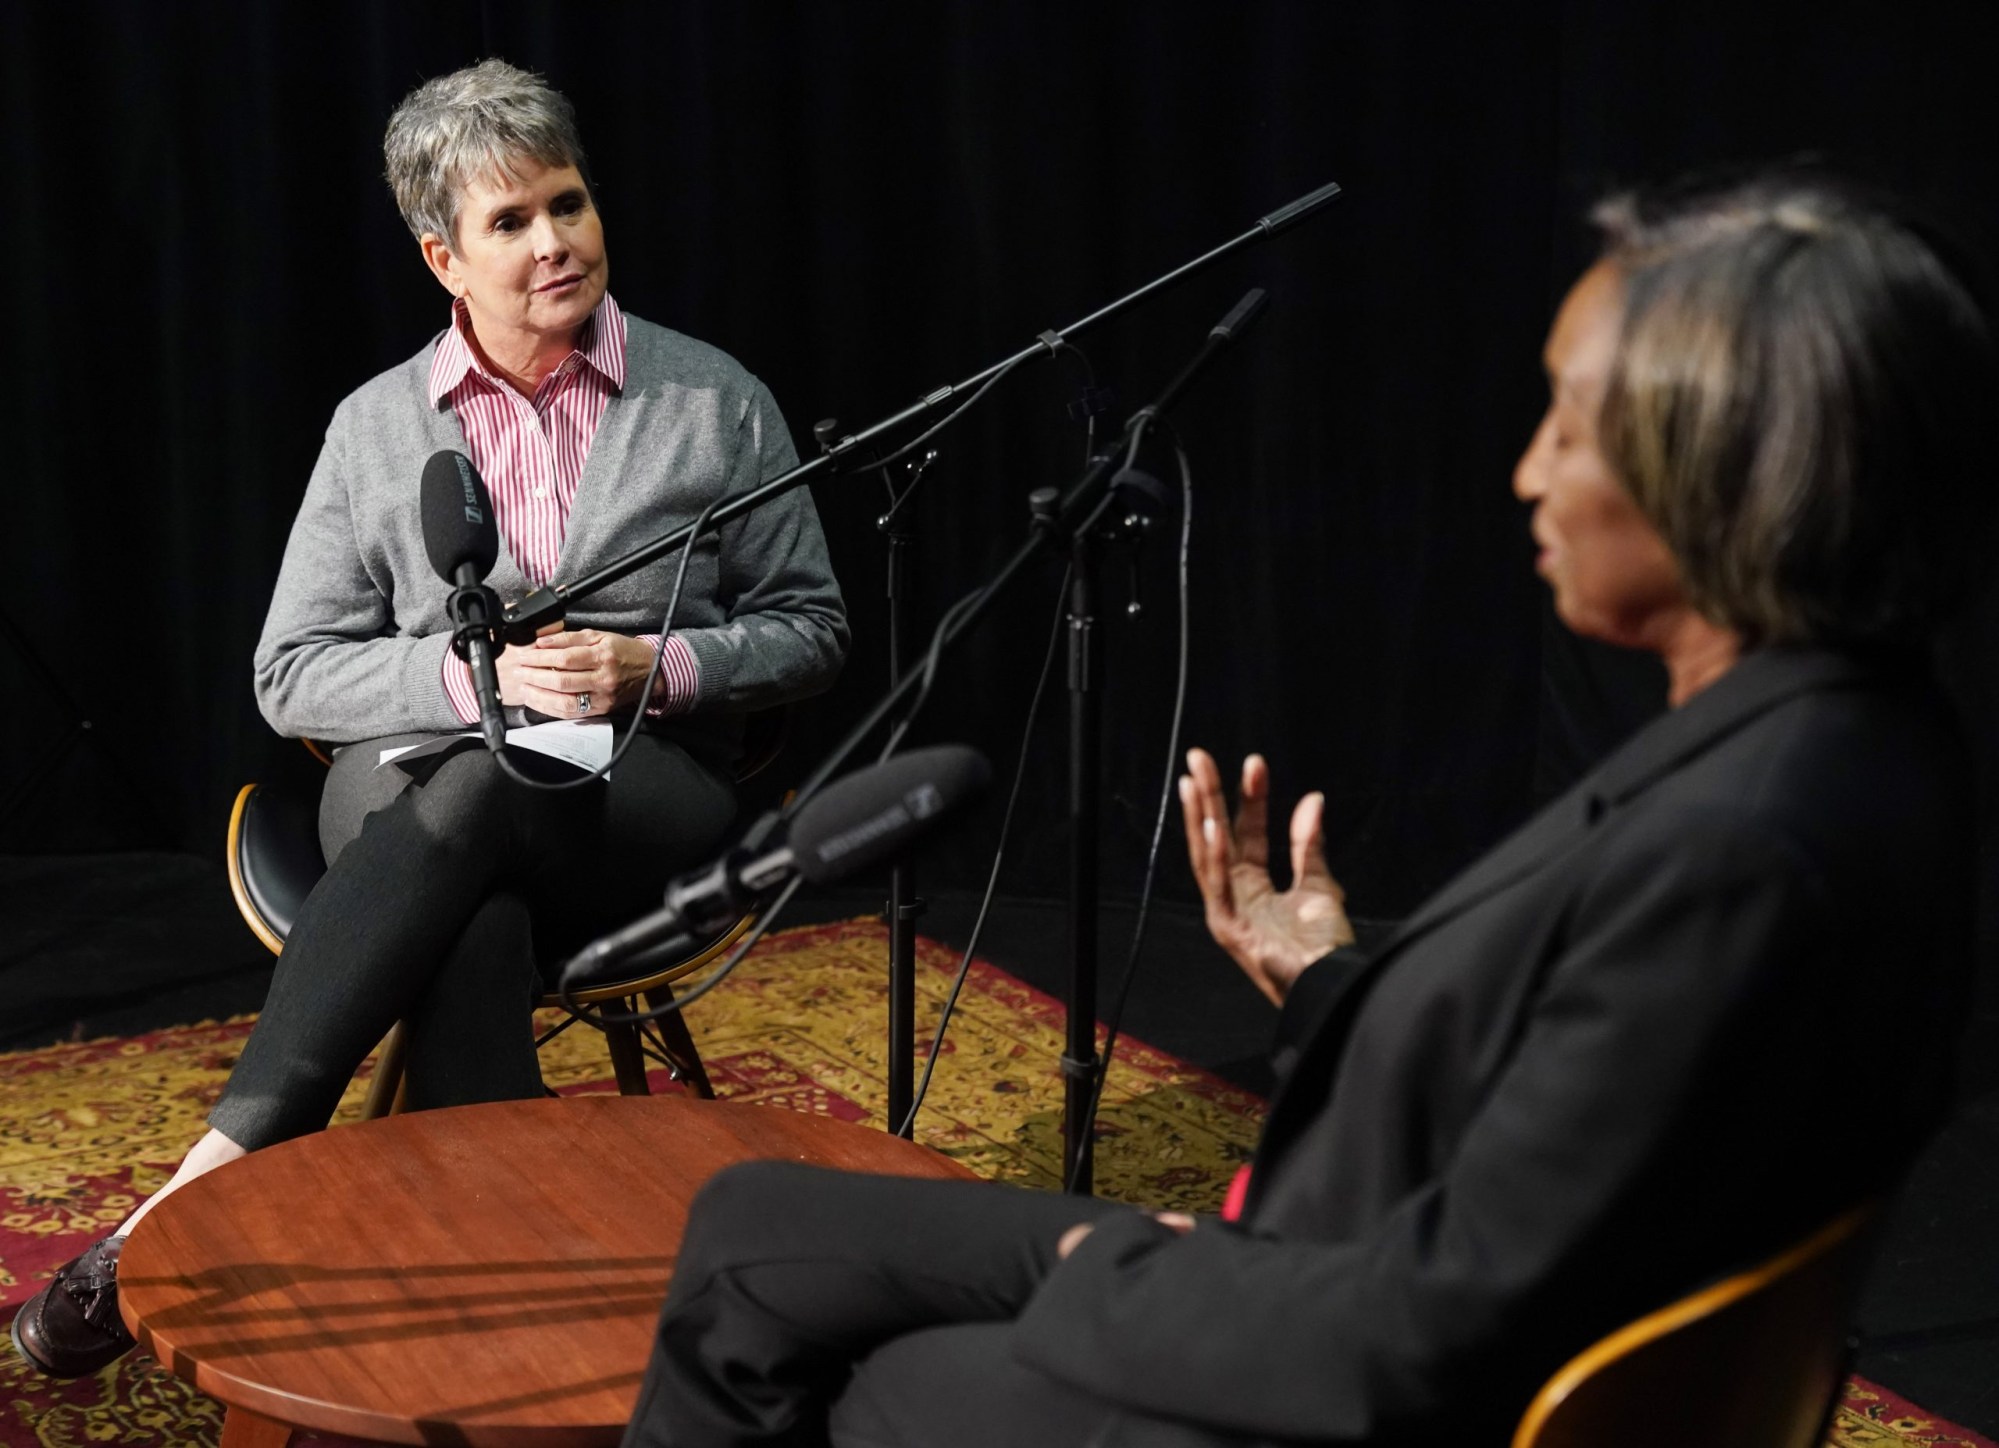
[{"x": 1300, "y": 1092}]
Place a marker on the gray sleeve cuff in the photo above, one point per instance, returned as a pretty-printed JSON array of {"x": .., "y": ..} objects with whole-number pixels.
[
  {"x": 426, "y": 704},
  {"x": 716, "y": 663}
]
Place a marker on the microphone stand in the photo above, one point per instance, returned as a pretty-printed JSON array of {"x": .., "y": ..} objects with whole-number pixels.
[
  {"x": 1070, "y": 517},
  {"x": 1086, "y": 752},
  {"x": 547, "y": 604},
  {"x": 904, "y": 905}
]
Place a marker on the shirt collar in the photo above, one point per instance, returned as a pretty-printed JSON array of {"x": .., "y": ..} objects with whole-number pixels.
[{"x": 601, "y": 347}]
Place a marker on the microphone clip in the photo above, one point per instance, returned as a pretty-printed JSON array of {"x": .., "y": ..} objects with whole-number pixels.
[
  {"x": 1092, "y": 402},
  {"x": 708, "y": 901},
  {"x": 474, "y": 608}
]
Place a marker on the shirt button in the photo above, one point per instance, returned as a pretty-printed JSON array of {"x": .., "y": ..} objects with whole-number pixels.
[{"x": 541, "y": 490}]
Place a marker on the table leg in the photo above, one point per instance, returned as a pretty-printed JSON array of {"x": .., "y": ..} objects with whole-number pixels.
[{"x": 242, "y": 1428}]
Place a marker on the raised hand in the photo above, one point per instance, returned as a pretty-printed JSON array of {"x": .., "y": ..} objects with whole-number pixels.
[{"x": 1273, "y": 935}]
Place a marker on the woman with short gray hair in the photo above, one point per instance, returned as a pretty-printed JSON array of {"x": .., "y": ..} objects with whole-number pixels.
[
  {"x": 595, "y": 432},
  {"x": 472, "y": 123}
]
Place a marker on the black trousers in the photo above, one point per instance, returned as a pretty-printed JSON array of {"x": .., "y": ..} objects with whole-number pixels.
[
  {"x": 438, "y": 900},
  {"x": 811, "y": 1306}
]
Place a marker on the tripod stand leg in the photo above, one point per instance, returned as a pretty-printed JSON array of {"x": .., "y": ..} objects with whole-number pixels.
[
  {"x": 628, "y": 1060},
  {"x": 679, "y": 1044}
]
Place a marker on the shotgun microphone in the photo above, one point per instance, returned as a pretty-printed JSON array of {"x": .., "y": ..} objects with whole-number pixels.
[{"x": 865, "y": 819}]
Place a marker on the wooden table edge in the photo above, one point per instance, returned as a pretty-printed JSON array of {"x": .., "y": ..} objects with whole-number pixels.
[{"x": 258, "y": 1411}]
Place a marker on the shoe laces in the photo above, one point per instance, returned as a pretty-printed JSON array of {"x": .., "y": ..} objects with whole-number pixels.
[{"x": 92, "y": 1284}]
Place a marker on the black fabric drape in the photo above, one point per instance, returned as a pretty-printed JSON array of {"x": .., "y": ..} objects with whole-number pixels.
[{"x": 862, "y": 201}]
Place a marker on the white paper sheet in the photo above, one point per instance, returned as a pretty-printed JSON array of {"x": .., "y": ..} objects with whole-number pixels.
[{"x": 585, "y": 743}]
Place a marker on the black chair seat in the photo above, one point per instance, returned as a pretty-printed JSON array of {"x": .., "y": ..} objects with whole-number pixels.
[{"x": 276, "y": 856}]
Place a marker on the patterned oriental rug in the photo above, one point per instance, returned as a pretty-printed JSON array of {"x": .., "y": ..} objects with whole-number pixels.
[{"x": 86, "y": 1130}]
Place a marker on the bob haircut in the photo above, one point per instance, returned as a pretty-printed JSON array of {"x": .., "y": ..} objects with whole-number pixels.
[
  {"x": 1802, "y": 404},
  {"x": 479, "y": 121}
]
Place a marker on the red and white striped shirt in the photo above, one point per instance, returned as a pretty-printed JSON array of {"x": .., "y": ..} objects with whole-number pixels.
[{"x": 531, "y": 452}]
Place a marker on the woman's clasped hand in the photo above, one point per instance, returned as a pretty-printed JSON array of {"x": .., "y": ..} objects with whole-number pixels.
[{"x": 575, "y": 674}]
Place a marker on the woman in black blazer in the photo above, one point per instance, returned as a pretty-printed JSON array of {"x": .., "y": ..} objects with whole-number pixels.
[{"x": 1599, "y": 1068}]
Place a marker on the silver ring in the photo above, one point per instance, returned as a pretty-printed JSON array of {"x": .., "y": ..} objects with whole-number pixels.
[{"x": 582, "y": 703}]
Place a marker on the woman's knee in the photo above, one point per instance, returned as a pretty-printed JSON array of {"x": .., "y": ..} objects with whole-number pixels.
[
  {"x": 491, "y": 965},
  {"x": 467, "y": 788},
  {"x": 501, "y": 926},
  {"x": 744, "y": 1212}
]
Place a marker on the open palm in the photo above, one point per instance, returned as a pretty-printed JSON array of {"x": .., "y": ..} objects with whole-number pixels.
[{"x": 1272, "y": 934}]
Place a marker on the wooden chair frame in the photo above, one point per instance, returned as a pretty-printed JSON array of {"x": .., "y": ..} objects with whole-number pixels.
[
  {"x": 1545, "y": 1423},
  {"x": 238, "y": 886}
]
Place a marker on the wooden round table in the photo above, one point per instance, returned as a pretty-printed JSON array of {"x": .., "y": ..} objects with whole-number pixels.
[{"x": 487, "y": 1275}]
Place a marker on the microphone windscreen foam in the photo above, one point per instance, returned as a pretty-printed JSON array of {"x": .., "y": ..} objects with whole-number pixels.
[
  {"x": 871, "y": 815},
  {"x": 458, "y": 525}
]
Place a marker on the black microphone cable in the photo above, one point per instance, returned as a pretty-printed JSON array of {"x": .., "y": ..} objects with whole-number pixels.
[
  {"x": 1019, "y": 774},
  {"x": 933, "y": 657},
  {"x": 999, "y": 854},
  {"x": 514, "y": 772},
  {"x": 1084, "y": 1128},
  {"x": 936, "y": 647},
  {"x": 934, "y": 653},
  {"x": 1058, "y": 347},
  {"x": 766, "y": 919},
  {"x": 599, "y": 1019}
]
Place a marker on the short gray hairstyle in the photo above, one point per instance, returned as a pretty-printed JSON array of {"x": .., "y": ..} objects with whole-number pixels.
[{"x": 479, "y": 121}]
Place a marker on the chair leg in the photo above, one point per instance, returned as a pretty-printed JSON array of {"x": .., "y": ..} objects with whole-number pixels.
[
  {"x": 385, "y": 1088},
  {"x": 679, "y": 1044},
  {"x": 628, "y": 1058}
]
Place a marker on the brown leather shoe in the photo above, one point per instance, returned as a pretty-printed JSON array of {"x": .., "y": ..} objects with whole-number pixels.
[{"x": 71, "y": 1328}]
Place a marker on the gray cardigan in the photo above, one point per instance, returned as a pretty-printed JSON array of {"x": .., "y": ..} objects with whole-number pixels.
[{"x": 354, "y": 644}]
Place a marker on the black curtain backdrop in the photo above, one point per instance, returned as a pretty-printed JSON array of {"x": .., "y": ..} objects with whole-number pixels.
[{"x": 863, "y": 201}]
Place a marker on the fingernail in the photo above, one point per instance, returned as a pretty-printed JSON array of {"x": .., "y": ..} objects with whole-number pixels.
[{"x": 1210, "y": 831}]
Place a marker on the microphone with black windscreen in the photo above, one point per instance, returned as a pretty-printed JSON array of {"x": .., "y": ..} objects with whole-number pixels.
[
  {"x": 463, "y": 542},
  {"x": 863, "y": 820}
]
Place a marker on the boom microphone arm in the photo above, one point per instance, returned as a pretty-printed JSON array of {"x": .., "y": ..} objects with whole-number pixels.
[{"x": 548, "y": 604}]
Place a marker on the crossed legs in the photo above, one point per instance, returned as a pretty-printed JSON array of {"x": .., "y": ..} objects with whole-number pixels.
[{"x": 430, "y": 912}]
